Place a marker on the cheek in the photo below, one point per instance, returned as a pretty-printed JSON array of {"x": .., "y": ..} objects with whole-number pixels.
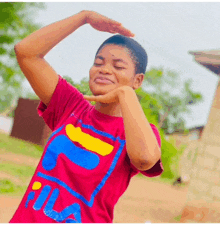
[
  {"x": 91, "y": 72},
  {"x": 126, "y": 77}
]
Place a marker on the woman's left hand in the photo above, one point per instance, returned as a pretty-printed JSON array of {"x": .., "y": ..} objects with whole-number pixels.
[
  {"x": 112, "y": 96},
  {"x": 107, "y": 98}
]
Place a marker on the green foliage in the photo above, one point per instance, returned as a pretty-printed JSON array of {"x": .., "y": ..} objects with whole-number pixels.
[
  {"x": 11, "y": 114},
  {"x": 170, "y": 154},
  {"x": 31, "y": 96},
  {"x": 169, "y": 106},
  {"x": 83, "y": 86},
  {"x": 170, "y": 158},
  {"x": 16, "y": 22}
]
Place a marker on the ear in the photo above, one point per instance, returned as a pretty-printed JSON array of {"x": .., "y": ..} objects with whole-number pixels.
[{"x": 138, "y": 80}]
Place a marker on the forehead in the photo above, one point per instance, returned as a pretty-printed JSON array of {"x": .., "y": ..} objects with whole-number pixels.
[{"x": 112, "y": 50}]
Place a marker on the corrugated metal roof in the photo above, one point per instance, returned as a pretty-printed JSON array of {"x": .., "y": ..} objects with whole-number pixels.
[
  {"x": 212, "y": 53},
  {"x": 208, "y": 59}
]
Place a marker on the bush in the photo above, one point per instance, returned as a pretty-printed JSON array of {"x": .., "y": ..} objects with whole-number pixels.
[{"x": 170, "y": 157}]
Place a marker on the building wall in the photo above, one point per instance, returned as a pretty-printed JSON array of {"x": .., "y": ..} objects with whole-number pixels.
[
  {"x": 27, "y": 124},
  {"x": 6, "y": 124},
  {"x": 193, "y": 135},
  {"x": 205, "y": 174}
]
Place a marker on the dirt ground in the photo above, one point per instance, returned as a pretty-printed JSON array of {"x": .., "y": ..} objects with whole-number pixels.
[
  {"x": 144, "y": 200},
  {"x": 147, "y": 200}
]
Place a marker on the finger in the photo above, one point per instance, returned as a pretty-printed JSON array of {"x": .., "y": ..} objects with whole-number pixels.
[
  {"x": 123, "y": 31},
  {"x": 111, "y": 31},
  {"x": 114, "y": 23},
  {"x": 93, "y": 98},
  {"x": 89, "y": 98}
]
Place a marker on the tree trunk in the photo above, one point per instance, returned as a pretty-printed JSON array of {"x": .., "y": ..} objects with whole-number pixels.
[{"x": 162, "y": 118}]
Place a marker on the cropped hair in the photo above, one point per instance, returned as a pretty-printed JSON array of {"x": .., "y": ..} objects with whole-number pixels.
[{"x": 136, "y": 51}]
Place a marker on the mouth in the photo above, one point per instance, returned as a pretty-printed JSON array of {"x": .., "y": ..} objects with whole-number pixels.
[{"x": 103, "y": 80}]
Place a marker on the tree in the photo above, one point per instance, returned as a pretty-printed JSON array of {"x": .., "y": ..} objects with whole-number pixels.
[
  {"x": 16, "y": 22},
  {"x": 164, "y": 110},
  {"x": 83, "y": 86},
  {"x": 169, "y": 107},
  {"x": 170, "y": 154}
]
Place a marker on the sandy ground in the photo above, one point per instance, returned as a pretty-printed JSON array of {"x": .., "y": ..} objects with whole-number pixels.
[
  {"x": 147, "y": 200},
  {"x": 144, "y": 200}
]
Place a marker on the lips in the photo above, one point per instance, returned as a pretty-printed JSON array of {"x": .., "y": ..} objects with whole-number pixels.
[{"x": 103, "y": 80}]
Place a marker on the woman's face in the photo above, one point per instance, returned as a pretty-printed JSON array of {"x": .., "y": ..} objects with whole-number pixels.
[{"x": 112, "y": 68}]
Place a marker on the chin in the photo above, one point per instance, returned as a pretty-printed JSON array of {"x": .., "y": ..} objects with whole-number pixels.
[{"x": 100, "y": 91}]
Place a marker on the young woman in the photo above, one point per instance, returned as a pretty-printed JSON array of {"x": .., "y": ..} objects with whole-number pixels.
[{"x": 93, "y": 151}]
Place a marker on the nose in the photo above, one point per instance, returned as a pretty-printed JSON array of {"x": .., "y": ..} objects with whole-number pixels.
[{"x": 106, "y": 69}]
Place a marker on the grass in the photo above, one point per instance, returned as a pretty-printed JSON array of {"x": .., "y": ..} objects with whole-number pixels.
[
  {"x": 177, "y": 218},
  {"x": 19, "y": 146},
  {"x": 22, "y": 172},
  {"x": 7, "y": 186}
]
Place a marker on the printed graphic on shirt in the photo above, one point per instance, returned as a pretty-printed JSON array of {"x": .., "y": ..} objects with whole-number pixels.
[{"x": 88, "y": 158}]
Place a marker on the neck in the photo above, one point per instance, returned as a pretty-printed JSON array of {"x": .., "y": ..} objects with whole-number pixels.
[{"x": 112, "y": 109}]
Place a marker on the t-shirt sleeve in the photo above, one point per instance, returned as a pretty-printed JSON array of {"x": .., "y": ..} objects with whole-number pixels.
[
  {"x": 65, "y": 100},
  {"x": 157, "y": 169}
]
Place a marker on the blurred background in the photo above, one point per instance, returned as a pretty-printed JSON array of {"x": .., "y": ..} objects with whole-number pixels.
[{"x": 176, "y": 95}]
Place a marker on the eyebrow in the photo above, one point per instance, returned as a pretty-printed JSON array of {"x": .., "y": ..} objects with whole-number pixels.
[{"x": 115, "y": 60}]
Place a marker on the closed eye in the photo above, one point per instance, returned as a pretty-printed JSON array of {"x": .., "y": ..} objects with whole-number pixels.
[
  {"x": 97, "y": 64},
  {"x": 119, "y": 68}
]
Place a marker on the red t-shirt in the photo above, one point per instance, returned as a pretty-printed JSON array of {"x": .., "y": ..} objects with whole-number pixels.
[{"x": 84, "y": 168}]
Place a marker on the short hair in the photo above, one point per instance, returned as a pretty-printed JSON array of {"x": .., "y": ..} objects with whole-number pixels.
[{"x": 137, "y": 52}]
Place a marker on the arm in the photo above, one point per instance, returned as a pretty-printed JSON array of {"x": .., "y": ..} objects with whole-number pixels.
[
  {"x": 31, "y": 50},
  {"x": 142, "y": 146},
  {"x": 141, "y": 143}
]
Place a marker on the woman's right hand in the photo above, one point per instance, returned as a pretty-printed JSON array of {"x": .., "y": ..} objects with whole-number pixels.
[{"x": 105, "y": 24}]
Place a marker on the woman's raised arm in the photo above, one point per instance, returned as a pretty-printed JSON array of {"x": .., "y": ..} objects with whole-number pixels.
[{"x": 31, "y": 50}]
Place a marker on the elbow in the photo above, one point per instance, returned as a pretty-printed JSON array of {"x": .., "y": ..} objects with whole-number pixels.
[
  {"x": 144, "y": 165},
  {"x": 17, "y": 49},
  {"x": 20, "y": 50},
  {"x": 148, "y": 163}
]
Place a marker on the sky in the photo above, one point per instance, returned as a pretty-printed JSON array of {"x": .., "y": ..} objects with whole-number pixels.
[{"x": 167, "y": 31}]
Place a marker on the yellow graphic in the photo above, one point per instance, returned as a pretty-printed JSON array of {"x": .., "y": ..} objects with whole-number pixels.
[
  {"x": 37, "y": 185},
  {"x": 89, "y": 142}
]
